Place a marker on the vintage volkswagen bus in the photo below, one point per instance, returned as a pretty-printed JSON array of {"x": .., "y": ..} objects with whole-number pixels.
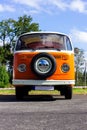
[{"x": 45, "y": 61}]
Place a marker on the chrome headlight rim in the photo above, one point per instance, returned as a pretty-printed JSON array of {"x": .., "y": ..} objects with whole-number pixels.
[
  {"x": 21, "y": 67},
  {"x": 65, "y": 68}
]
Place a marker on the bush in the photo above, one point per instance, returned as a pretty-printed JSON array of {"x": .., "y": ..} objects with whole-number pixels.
[{"x": 4, "y": 77}]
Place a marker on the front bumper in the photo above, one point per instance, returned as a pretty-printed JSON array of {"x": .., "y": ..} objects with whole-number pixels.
[{"x": 43, "y": 82}]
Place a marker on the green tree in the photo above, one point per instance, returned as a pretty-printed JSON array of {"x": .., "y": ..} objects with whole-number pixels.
[
  {"x": 79, "y": 62},
  {"x": 3, "y": 31},
  {"x": 4, "y": 77},
  {"x": 1, "y": 55},
  {"x": 25, "y": 24},
  {"x": 11, "y": 32},
  {"x": 7, "y": 36},
  {"x": 5, "y": 54}
]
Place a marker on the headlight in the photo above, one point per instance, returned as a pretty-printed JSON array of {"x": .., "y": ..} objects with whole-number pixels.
[
  {"x": 22, "y": 68},
  {"x": 65, "y": 68}
]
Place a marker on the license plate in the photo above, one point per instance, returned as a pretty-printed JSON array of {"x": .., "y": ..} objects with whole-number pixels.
[{"x": 44, "y": 87}]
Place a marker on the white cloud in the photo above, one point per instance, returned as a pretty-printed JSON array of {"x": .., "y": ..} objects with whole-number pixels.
[
  {"x": 39, "y": 4},
  {"x": 59, "y": 4},
  {"x": 30, "y": 12},
  {"x": 79, "y": 5},
  {"x": 49, "y": 6},
  {"x": 79, "y": 36},
  {"x": 6, "y": 8},
  {"x": 74, "y": 5},
  {"x": 32, "y": 3}
]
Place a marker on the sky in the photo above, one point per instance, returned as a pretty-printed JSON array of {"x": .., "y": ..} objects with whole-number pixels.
[{"x": 64, "y": 16}]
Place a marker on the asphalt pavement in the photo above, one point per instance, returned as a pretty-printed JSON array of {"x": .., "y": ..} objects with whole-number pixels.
[{"x": 43, "y": 113}]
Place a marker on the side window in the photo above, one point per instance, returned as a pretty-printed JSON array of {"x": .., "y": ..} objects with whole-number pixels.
[
  {"x": 68, "y": 44},
  {"x": 20, "y": 45}
]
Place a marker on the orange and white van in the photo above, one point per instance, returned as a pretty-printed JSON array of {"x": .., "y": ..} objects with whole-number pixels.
[{"x": 43, "y": 60}]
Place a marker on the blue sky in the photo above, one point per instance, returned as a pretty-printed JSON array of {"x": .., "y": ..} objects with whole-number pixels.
[{"x": 65, "y": 16}]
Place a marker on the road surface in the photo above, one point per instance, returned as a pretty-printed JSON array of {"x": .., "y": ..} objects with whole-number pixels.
[{"x": 43, "y": 113}]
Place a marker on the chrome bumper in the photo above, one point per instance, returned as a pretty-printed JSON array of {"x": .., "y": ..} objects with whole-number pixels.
[{"x": 43, "y": 82}]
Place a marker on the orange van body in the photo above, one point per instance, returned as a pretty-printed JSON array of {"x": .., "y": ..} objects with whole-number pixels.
[
  {"x": 61, "y": 58},
  {"x": 25, "y": 61}
]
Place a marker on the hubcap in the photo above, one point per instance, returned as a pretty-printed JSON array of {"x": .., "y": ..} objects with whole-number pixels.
[{"x": 43, "y": 65}]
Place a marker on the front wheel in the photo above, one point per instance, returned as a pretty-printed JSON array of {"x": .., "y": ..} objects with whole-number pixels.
[{"x": 68, "y": 92}]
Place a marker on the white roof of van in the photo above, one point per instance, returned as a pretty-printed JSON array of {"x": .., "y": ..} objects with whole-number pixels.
[{"x": 45, "y": 32}]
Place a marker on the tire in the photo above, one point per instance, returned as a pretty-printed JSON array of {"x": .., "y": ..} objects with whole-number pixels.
[
  {"x": 43, "y": 65},
  {"x": 68, "y": 92},
  {"x": 62, "y": 92},
  {"x": 21, "y": 92}
]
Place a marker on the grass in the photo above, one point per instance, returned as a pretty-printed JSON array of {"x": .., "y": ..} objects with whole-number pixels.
[
  {"x": 79, "y": 90},
  {"x": 55, "y": 92},
  {"x": 7, "y": 92}
]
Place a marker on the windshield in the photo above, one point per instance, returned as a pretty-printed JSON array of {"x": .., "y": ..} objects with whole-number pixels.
[{"x": 41, "y": 41}]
